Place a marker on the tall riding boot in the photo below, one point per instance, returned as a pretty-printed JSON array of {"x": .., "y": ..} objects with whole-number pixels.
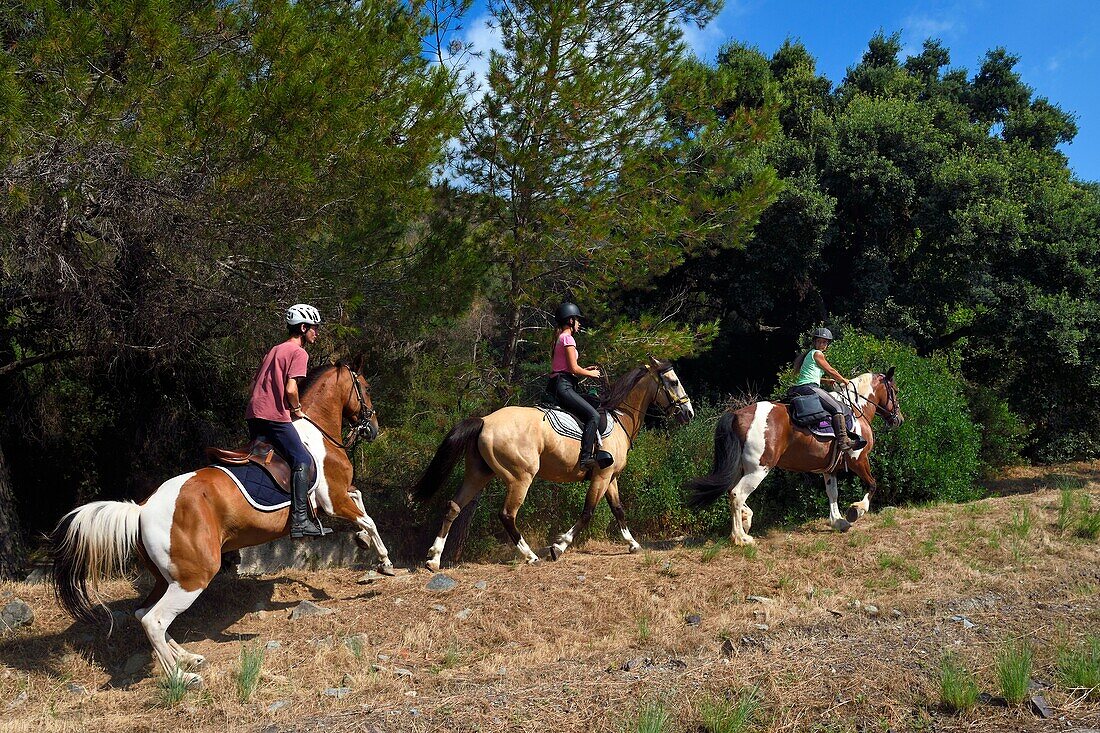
[
  {"x": 843, "y": 442},
  {"x": 302, "y": 524},
  {"x": 588, "y": 446}
]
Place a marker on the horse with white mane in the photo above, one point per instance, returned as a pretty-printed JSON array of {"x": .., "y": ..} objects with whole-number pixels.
[{"x": 750, "y": 442}]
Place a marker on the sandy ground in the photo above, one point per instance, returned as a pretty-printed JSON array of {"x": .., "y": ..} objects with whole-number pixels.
[{"x": 846, "y": 633}]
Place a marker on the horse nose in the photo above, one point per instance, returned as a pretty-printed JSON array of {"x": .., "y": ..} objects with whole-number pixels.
[{"x": 687, "y": 412}]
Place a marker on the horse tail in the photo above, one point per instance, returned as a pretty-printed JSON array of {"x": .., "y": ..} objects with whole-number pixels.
[
  {"x": 727, "y": 465},
  {"x": 446, "y": 456},
  {"x": 92, "y": 543}
]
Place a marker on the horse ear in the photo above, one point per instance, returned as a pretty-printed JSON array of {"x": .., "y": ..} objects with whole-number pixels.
[
  {"x": 890, "y": 375},
  {"x": 653, "y": 361}
]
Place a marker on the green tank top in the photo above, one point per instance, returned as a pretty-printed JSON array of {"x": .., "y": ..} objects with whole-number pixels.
[{"x": 810, "y": 373}]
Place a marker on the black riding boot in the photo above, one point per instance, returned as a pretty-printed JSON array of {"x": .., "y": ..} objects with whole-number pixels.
[
  {"x": 843, "y": 442},
  {"x": 302, "y": 524},
  {"x": 588, "y": 446}
]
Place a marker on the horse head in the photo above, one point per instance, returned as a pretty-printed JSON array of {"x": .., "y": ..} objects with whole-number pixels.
[
  {"x": 358, "y": 409},
  {"x": 886, "y": 395},
  {"x": 671, "y": 396}
]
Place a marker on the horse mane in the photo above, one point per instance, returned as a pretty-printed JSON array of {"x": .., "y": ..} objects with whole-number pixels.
[
  {"x": 623, "y": 386},
  {"x": 315, "y": 375},
  {"x": 861, "y": 384}
]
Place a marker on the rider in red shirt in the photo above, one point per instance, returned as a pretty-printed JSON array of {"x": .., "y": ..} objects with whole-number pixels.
[{"x": 275, "y": 403}]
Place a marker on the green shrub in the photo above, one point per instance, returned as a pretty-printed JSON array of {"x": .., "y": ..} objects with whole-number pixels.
[
  {"x": 653, "y": 718},
  {"x": 1003, "y": 434},
  {"x": 1079, "y": 667},
  {"x": 248, "y": 672},
  {"x": 1014, "y": 670}
]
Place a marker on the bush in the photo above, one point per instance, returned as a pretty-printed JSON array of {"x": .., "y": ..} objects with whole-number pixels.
[
  {"x": 1003, "y": 434},
  {"x": 933, "y": 456}
]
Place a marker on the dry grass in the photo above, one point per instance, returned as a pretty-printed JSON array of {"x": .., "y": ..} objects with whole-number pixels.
[{"x": 595, "y": 640}]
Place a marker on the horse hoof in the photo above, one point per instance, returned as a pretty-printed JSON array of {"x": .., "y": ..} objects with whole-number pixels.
[
  {"x": 387, "y": 569},
  {"x": 555, "y": 553},
  {"x": 191, "y": 680},
  {"x": 635, "y": 549},
  {"x": 853, "y": 513},
  {"x": 433, "y": 566},
  {"x": 362, "y": 542},
  {"x": 533, "y": 561},
  {"x": 842, "y": 525},
  {"x": 743, "y": 542}
]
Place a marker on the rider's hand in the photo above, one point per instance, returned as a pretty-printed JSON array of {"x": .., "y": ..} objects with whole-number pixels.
[{"x": 594, "y": 372}]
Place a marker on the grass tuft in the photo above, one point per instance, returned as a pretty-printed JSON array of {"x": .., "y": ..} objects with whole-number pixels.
[
  {"x": 653, "y": 718},
  {"x": 958, "y": 689},
  {"x": 1014, "y": 670},
  {"x": 1079, "y": 667},
  {"x": 172, "y": 688},
  {"x": 730, "y": 716},
  {"x": 712, "y": 550},
  {"x": 645, "y": 629},
  {"x": 248, "y": 673},
  {"x": 1067, "y": 509}
]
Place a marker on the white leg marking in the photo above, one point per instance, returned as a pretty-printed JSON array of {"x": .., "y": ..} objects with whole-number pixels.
[
  {"x": 156, "y": 622},
  {"x": 836, "y": 521},
  {"x": 634, "y": 546},
  {"x": 751, "y": 453},
  {"x": 532, "y": 558},
  {"x": 435, "y": 552},
  {"x": 370, "y": 528}
]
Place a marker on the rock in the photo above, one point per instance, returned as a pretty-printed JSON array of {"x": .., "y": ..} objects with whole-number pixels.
[
  {"x": 402, "y": 672},
  {"x": 18, "y": 700},
  {"x": 272, "y": 645},
  {"x": 441, "y": 582},
  {"x": 135, "y": 663},
  {"x": 337, "y": 692},
  {"x": 870, "y": 610},
  {"x": 677, "y": 664},
  {"x": 580, "y": 578},
  {"x": 727, "y": 648},
  {"x": 78, "y": 689},
  {"x": 384, "y": 657},
  {"x": 694, "y": 620},
  {"x": 762, "y": 627},
  {"x": 15, "y": 614},
  {"x": 376, "y": 668},
  {"x": 1039, "y": 707},
  {"x": 463, "y": 614},
  {"x": 762, "y": 599},
  {"x": 410, "y": 693},
  {"x": 277, "y": 706},
  {"x": 439, "y": 608},
  {"x": 635, "y": 663},
  {"x": 986, "y": 699},
  {"x": 38, "y": 575},
  {"x": 370, "y": 577},
  {"x": 414, "y": 712},
  {"x": 967, "y": 623},
  {"x": 854, "y": 604},
  {"x": 308, "y": 608},
  {"x": 895, "y": 613},
  {"x": 481, "y": 585}
]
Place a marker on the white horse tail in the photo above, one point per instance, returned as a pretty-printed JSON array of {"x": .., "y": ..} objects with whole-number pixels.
[
  {"x": 726, "y": 469},
  {"x": 92, "y": 543}
]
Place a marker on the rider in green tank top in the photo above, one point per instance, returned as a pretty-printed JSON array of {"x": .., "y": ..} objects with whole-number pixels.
[{"x": 813, "y": 367}]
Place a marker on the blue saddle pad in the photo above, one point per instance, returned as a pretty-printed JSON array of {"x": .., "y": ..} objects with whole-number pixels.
[
  {"x": 259, "y": 489},
  {"x": 567, "y": 426}
]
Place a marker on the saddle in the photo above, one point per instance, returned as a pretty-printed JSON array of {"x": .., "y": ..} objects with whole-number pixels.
[
  {"x": 262, "y": 454},
  {"x": 807, "y": 412},
  {"x": 567, "y": 426}
]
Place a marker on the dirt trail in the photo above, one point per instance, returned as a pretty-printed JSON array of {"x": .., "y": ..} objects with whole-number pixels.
[{"x": 846, "y": 634}]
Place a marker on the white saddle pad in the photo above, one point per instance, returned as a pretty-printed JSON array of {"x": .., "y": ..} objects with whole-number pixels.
[{"x": 567, "y": 426}]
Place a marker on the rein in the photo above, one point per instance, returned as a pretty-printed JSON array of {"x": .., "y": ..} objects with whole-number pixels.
[
  {"x": 362, "y": 419},
  {"x": 859, "y": 411}
]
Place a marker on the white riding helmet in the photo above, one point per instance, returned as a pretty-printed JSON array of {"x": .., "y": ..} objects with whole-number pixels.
[{"x": 302, "y": 313}]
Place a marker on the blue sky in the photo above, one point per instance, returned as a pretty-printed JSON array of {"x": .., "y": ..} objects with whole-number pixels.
[{"x": 1058, "y": 43}]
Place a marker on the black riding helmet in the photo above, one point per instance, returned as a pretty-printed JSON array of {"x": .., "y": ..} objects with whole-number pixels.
[
  {"x": 566, "y": 311},
  {"x": 823, "y": 333}
]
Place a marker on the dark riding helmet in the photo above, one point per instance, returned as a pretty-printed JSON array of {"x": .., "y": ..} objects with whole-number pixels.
[
  {"x": 823, "y": 333},
  {"x": 566, "y": 311}
]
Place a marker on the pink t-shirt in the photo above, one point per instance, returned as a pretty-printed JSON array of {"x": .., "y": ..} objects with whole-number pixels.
[
  {"x": 268, "y": 402},
  {"x": 560, "y": 362}
]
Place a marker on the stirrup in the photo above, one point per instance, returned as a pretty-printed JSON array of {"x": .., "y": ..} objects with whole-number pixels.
[{"x": 310, "y": 528}]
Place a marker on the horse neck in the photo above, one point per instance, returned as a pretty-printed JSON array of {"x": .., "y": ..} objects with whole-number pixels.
[
  {"x": 866, "y": 402},
  {"x": 634, "y": 406},
  {"x": 323, "y": 405}
]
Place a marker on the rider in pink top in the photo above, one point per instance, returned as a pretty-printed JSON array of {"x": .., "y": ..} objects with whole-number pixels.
[
  {"x": 567, "y": 372},
  {"x": 275, "y": 402}
]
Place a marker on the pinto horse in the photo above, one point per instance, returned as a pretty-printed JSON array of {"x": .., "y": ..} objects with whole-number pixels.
[
  {"x": 517, "y": 444},
  {"x": 752, "y": 441},
  {"x": 182, "y": 529}
]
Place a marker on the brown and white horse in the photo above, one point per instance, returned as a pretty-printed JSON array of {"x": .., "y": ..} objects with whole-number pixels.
[
  {"x": 750, "y": 442},
  {"x": 517, "y": 444},
  {"x": 181, "y": 531}
]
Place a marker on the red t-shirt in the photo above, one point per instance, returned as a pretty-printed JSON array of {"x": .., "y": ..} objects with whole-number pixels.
[{"x": 286, "y": 361}]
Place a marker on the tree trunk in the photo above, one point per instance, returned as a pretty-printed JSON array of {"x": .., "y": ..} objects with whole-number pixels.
[{"x": 12, "y": 556}]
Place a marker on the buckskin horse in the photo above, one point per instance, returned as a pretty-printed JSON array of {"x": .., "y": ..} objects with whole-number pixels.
[
  {"x": 750, "y": 442},
  {"x": 182, "y": 529},
  {"x": 517, "y": 444}
]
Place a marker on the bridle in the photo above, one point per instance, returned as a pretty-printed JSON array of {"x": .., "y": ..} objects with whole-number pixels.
[
  {"x": 662, "y": 387},
  {"x": 889, "y": 415},
  {"x": 361, "y": 424}
]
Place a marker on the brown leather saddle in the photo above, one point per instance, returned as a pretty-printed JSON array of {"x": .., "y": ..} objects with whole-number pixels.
[{"x": 263, "y": 455}]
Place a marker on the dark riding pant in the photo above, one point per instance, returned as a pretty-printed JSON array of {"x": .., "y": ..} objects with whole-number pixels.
[
  {"x": 564, "y": 389},
  {"x": 828, "y": 401},
  {"x": 283, "y": 437}
]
